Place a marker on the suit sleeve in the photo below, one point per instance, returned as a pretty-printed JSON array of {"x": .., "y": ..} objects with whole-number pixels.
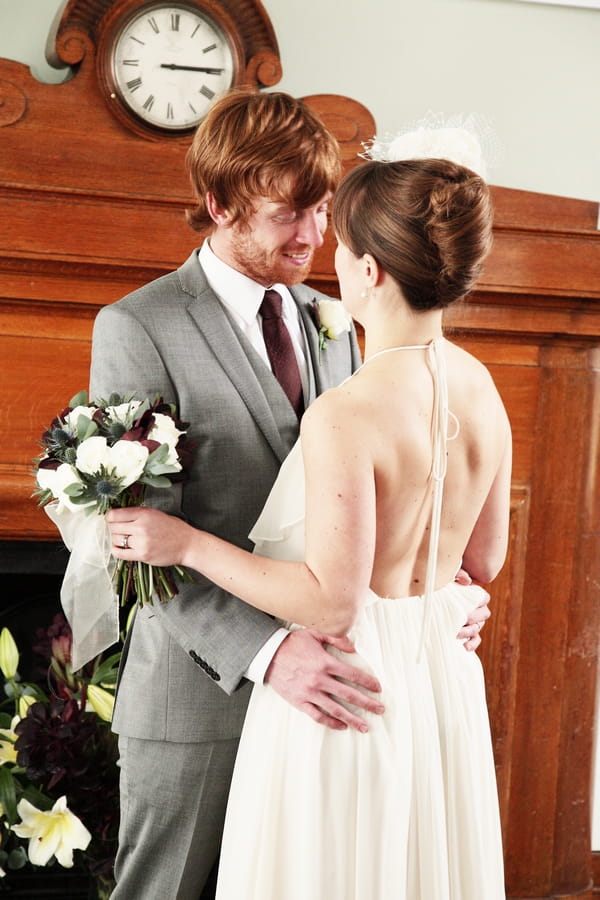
[{"x": 216, "y": 630}]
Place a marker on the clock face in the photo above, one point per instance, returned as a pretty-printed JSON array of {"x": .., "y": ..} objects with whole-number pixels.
[{"x": 169, "y": 63}]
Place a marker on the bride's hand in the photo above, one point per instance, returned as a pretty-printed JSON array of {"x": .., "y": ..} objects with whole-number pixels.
[
  {"x": 146, "y": 534},
  {"x": 470, "y": 633}
]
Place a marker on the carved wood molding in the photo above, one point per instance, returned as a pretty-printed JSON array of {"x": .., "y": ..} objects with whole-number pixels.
[{"x": 78, "y": 28}]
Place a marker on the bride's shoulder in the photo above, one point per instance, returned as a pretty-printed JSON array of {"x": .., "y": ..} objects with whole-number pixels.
[
  {"x": 463, "y": 362},
  {"x": 334, "y": 413},
  {"x": 471, "y": 383}
]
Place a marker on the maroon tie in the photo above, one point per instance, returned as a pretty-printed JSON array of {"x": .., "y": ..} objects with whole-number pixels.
[{"x": 280, "y": 350}]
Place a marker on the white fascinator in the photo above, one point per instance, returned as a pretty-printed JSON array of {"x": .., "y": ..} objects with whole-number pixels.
[{"x": 466, "y": 140}]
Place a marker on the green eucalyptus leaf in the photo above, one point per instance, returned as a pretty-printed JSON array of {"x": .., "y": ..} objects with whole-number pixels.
[
  {"x": 44, "y": 496},
  {"x": 157, "y": 481},
  {"x": 75, "y": 491},
  {"x": 86, "y": 428},
  {"x": 158, "y": 456},
  {"x": 80, "y": 399},
  {"x": 142, "y": 408}
]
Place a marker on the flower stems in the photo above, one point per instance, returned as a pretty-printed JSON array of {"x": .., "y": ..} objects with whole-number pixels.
[{"x": 141, "y": 581}]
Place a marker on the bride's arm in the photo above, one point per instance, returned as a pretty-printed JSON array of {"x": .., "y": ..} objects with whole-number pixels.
[
  {"x": 486, "y": 550},
  {"x": 324, "y": 591}
]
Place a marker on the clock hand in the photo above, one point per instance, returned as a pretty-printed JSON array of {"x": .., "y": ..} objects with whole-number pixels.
[{"x": 206, "y": 69}]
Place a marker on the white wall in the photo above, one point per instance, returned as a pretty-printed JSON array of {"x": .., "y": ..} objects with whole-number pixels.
[{"x": 533, "y": 68}]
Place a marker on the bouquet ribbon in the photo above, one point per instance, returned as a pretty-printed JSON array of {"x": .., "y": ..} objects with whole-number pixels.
[{"x": 87, "y": 595}]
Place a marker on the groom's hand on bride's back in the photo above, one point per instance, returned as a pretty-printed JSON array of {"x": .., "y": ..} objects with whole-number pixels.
[{"x": 320, "y": 684}]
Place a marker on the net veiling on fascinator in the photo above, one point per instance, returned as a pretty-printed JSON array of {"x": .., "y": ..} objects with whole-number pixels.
[{"x": 466, "y": 140}]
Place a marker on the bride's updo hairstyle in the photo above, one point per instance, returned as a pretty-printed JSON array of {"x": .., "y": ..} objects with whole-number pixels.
[{"x": 427, "y": 222}]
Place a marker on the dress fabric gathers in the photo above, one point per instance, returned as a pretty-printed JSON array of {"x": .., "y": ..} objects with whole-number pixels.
[{"x": 408, "y": 811}]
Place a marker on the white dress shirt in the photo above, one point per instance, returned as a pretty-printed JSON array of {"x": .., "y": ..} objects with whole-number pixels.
[{"x": 242, "y": 298}]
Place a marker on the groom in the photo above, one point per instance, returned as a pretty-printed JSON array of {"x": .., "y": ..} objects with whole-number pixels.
[{"x": 263, "y": 168}]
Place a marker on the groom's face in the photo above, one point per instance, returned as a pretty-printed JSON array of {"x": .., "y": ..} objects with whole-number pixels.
[{"x": 276, "y": 243}]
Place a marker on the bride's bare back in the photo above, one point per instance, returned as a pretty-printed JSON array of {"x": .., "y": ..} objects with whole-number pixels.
[{"x": 369, "y": 484}]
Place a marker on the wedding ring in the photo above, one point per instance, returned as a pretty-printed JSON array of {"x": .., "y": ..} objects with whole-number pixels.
[{"x": 124, "y": 545}]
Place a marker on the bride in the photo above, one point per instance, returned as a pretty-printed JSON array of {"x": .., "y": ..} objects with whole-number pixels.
[{"x": 401, "y": 475}]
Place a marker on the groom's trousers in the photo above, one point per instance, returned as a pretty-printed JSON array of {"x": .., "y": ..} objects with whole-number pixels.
[{"x": 179, "y": 790}]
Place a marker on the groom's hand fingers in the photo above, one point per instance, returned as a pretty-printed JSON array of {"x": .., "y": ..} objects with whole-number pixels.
[{"x": 327, "y": 689}]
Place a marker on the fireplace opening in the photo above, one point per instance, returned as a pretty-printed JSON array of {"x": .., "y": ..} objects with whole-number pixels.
[{"x": 31, "y": 574}]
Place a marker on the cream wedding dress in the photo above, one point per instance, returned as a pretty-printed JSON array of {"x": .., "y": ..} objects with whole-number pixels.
[{"x": 408, "y": 811}]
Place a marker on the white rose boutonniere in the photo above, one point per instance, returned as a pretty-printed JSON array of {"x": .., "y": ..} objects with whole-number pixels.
[{"x": 331, "y": 320}]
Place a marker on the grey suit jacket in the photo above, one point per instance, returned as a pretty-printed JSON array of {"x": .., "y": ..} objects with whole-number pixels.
[{"x": 182, "y": 667}]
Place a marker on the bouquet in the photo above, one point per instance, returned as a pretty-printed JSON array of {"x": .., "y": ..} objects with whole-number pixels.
[{"x": 98, "y": 456}]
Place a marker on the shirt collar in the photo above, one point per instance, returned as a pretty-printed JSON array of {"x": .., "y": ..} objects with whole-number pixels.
[{"x": 236, "y": 291}]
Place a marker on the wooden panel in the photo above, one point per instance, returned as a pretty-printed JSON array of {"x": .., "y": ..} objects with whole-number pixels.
[
  {"x": 500, "y": 648},
  {"x": 551, "y": 705},
  {"x": 44, "y": 370}
]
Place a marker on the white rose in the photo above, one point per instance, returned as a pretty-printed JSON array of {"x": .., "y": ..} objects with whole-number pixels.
[
  {"x": 56, "y": 480},
  {"x": 127, "y": 459},
  {"x": 92, "y": 454},
  {"x": 334, "y": 318},
  {"x": 164, "y": 431},
  {"x": 72, "y": 417},
  {"x": 123, "y": 412}
]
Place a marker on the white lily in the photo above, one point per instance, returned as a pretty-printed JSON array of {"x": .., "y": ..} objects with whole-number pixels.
[
  {"x": 8, "y": 754},
  {"x": 55, "y": 832},
  {"x": 25, "y": 701},
  {"x": 101, "y": 701},
  {"x": 9, "y": 654}
]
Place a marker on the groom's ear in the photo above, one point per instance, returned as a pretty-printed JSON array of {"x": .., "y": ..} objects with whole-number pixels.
[{"x": 220, "y": 216}]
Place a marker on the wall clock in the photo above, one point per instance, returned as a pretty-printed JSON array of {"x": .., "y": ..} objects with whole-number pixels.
[
  {"x": 161, "y": 64},
  {"x": 166, "y": 63}
]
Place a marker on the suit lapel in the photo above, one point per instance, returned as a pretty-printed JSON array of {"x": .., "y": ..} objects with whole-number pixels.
[
  {"x": 324, "y": 365},
  {"x": 236, "y": 356}
]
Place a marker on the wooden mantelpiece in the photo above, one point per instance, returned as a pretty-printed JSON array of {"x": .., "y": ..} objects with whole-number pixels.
[{"x": 89, "y": 211}]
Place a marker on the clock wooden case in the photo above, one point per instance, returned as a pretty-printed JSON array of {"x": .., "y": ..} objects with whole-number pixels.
[
  {"x": 164, "y": 64},
  {"x": 160, "y": 64}
]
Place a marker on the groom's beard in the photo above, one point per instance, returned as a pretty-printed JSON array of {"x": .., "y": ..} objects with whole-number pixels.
[{"x": 278, "y": 265}]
